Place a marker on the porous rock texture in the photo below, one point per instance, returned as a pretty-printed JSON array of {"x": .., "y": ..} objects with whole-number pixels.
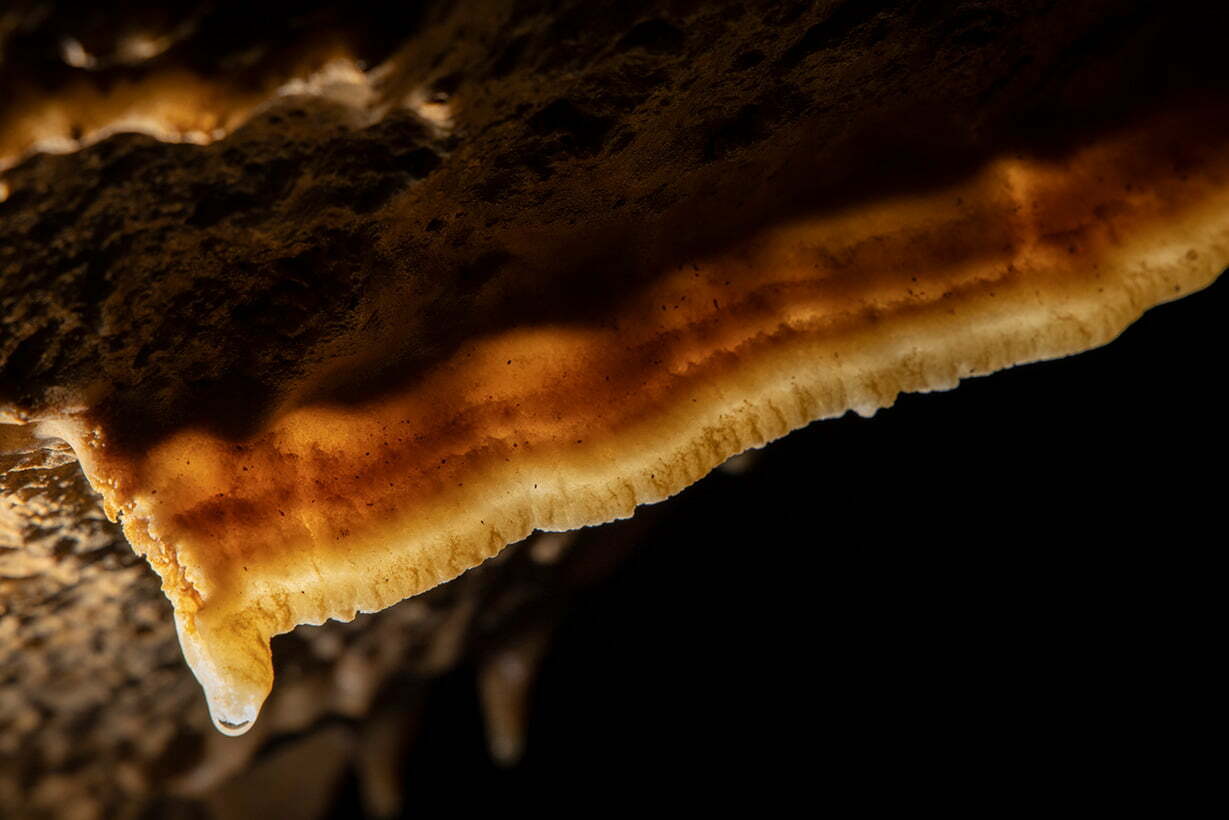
[{"x": 343, "y": 217}]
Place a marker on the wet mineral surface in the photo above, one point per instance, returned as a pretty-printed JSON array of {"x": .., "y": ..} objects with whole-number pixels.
[{"x": 492, "y": 159}]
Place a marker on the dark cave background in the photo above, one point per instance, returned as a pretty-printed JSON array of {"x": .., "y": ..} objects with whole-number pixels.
[{"x": 979, "y": 598}]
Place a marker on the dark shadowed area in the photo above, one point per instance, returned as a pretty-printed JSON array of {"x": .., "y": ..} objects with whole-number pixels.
[{"x": 1000, "y": 593}]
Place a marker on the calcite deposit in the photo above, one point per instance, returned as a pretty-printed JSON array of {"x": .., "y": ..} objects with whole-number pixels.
[{"x": 331, "y": 311}]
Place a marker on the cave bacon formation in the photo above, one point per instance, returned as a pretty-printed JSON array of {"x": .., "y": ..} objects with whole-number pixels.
[{"x": 330, "y": 325}]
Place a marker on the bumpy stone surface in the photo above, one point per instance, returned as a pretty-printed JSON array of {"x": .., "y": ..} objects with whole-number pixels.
[{"x": 197, "y": 280}]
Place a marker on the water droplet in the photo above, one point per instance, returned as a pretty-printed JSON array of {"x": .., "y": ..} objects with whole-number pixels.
[
  {"x": 232, "y": 665},
  {"x": 232, "y": 729}
]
